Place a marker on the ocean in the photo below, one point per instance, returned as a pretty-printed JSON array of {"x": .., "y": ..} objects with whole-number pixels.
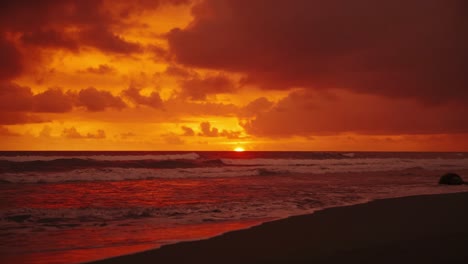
[{"x": 70, "y": 207}]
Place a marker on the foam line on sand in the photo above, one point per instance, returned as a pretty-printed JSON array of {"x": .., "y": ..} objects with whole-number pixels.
[{"x": 418, "y": 229}]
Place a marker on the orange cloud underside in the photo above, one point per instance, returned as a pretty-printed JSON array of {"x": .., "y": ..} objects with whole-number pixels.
[{"x": 159, "y": 75}]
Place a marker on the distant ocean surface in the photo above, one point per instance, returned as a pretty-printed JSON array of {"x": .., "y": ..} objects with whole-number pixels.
[{"x": 68, "y": 207}]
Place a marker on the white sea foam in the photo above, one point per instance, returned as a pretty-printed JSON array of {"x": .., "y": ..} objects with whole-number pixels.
[
  {"x": 32, "y": 225},
  {"x": 184, "y": 156},
  {"x": 369, "y": 164},
  {"x": 120, "y": 174},
  {"x": 250, "y": 167},
  {"x": 280, "y": 205}
]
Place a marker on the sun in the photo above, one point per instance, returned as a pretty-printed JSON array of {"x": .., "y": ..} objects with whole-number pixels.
[{"x": 239, "y": 149}]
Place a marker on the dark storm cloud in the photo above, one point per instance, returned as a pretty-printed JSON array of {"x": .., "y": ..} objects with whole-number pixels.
[
  {"x": 395, "y": 48},
  {"x": 305, "y": 113},
  {"x": 50, "y": 39},
  {"x": 47, "y": 23},
  {"x": 11, "y": 63}
]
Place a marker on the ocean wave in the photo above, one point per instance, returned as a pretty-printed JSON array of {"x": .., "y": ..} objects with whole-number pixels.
[
  {"x": 231, "y": 168},
  {"x": 280, "y": 162},
  {"x": 122, "y": 174},
  {"x": 73, "y": 164},
  {"x": 26, "y": 158},
  {"x": 191, "y": 165},
  {"x": 365, "y": 163}
]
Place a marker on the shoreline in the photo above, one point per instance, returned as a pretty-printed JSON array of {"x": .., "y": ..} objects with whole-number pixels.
[{"x": 406, "y": 229}]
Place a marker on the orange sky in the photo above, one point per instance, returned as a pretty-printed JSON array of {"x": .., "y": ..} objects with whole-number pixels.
[{"x": 221, "y": 74}]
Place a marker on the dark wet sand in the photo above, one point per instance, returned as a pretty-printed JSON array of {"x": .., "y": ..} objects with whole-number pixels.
[{"x": 421, "y": 229}]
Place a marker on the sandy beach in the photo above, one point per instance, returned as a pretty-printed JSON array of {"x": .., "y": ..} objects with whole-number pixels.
[{"x": 420, "y": 229}]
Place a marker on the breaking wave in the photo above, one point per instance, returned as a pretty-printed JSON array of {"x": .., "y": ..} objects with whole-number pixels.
[
  {"x": 98, "y": 157},
  {"x": 224, "y": 168}
]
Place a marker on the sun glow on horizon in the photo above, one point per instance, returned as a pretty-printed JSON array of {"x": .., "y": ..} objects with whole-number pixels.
[{"x": 239, "y": 149}]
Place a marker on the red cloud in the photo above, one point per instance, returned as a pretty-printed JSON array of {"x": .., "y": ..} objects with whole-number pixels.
[
  {"x": 153, "y": 100},
  {"x": 101, "y": 69},
  {"x": 208, "y": 131},
  {"x": 15, "y": 98},
  {"x": 47, "y": 24},
  {"x": 95, "y": 100},
  {"x": 187, "y": 131},
  {"x": 6, "y": 132},
  {"x": 177, "y": 71},
  {"x": 397, "y": 48},
  {"x": 305, "y": 113},
  {"x": 10, "y": 60},
  {"x": 173, "y": 139},
  {"x": 53, "y": 101},
  {"x": 16, "y": 118},
  {"x": 198, "y": 88},
  {"x": 73, "y": 133},
  {"x": 50, "y": 38},
  {"x": 255, "y": 107},
  {"x": 103, "y": 39}
]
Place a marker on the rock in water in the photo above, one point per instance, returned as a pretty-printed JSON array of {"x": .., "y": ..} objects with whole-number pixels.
[{"x": 451, "y": 179}]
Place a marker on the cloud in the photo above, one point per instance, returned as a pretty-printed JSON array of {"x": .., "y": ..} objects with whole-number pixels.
[
  {"x": 175, "y": 70},
  {"x": 74, "y": 134},
  {"x": 94, "y": 100},
  {"x": 103, "y": 39},
  {"x": 52, "y": 101},
  {"x": 11, "y": 64},
  {"x": 231, "y": 134},
  {"x": 187, "y": 131},
  {"x": 394, "y": 48},
  {"x": 127, "y": 135},
  {"x": 51, "y": 39},
  {"x": 208, "y": 131},
  {"x": 17, "y": 118},
  {"x": 46, "y": 132},
  {"x": 139, "y": 6},
  {"x": 24, "y": 15},
  {"x": 306, "y": 113},
  {"x": 101, "y": 69},
  {"x": 70, "y": 24},
  {"x": 4, "y": 131},
  {"x": 173, "y": 139},
  {"x": 159, "y": 54},
  {"x": 199, "y": 88},
  {"x": 258, "y": 105},
  {"x": 16, "y": 98},
  {"x": 153, "y": 100},
  {"x": 184, "y": 107}
]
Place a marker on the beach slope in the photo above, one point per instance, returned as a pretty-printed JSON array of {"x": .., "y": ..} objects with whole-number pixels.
[{"x": 420, "y": 229}]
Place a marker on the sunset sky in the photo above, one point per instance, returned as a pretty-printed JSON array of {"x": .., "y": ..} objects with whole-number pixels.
[{"x": 220, "y": 74}]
